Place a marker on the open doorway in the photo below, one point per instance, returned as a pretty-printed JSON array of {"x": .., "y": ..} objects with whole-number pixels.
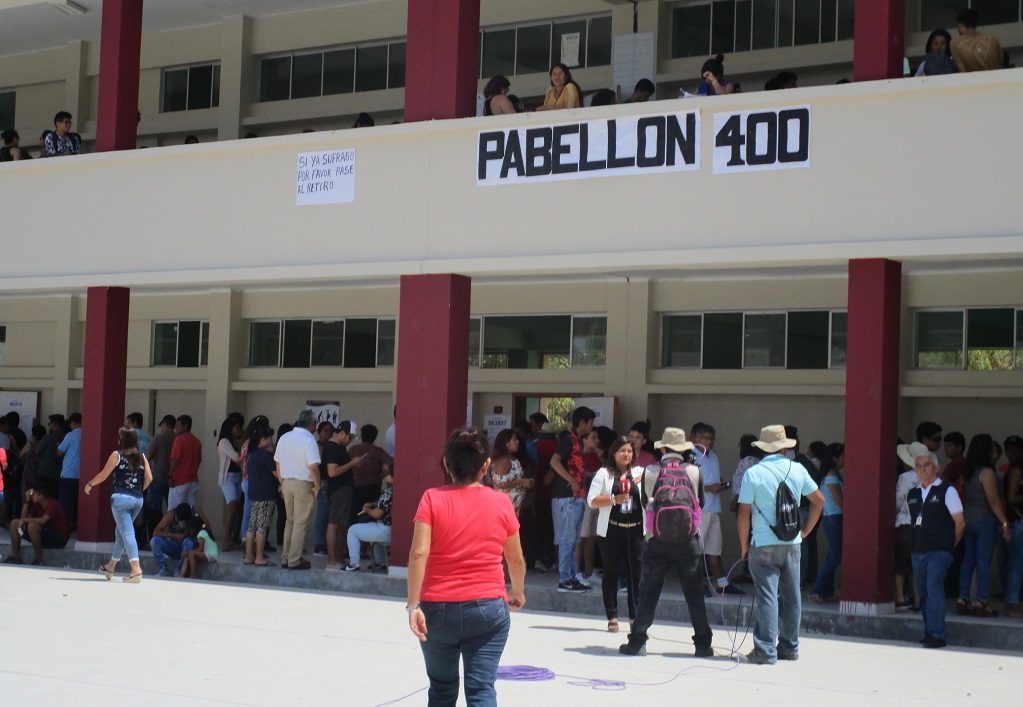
[{"x": 558, "y": 407}]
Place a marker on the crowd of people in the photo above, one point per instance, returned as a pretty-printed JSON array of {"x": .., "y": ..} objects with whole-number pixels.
[{"x": 971, "y": 50}]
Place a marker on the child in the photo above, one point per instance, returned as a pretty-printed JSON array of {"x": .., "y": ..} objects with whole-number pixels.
[{"x": 205, "y": 548}]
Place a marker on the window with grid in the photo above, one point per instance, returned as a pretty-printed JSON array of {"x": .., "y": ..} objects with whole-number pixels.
[
  {"x": 532, "y": 48},
  {"x": 191, "y": 88},
  {"x": 369, "y": 67},
  {"x": 182, "y": 344}
]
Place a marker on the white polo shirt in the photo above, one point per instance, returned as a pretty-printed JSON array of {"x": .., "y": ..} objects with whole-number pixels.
[{"x": 296, "y": 450}]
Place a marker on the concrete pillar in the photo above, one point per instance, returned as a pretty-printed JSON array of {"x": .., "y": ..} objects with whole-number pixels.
[
  {"x": 871, "y": 431},
  {"x": 119, "y": 61},
  {"x": 65, "y": 315},
  {"x": 442, "y": 59},
  {"x": 433, "y": 375},
  {"x": 629, "y": 349},
  {"x": 106, "y": 360},
  {"x": 236, "y": 68},
  {"x": 880, "y": 29}
]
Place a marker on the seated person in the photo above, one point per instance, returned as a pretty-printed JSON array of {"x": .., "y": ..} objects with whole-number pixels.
[
  {"x": 170, "y": 538},
  {"x": 42, "y": 522},
  {"x": 197, "y": 548},
  {"x": 377, "y": 532}
]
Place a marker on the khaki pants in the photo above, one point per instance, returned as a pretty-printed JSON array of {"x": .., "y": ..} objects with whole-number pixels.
[{"x": 298, "y": 504}]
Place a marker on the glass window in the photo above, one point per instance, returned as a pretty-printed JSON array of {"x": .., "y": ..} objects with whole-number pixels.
[
  {"x": 785, "y": 22},
  {"x": 807, "y": 340},
  {"x": 939, "y": 13},
  {"x": 722, "y": 340},
  {"x": 764, "y": 341},
  {"x": 598, "y": 42},
  {"x": 474, "y": 342},
  {"x": 589, "y": 341},
  {"x": 808, "y": 22},
  {"x": 560, "y": 30},
  {"x": 7, "y": 106},
  {"x": 396, "y": 65},
  {"x": 763, "y": 24},
  {"x": 204, "y": 345},
  {"x": 681, "y": 335},
  {"x": 328, "y": 343},
  {"x": 275, "y": 79},
  {"x": 175, "y": 90},
  {"x": 306, "y": 75},
  {"x": 722, "y": 28},
  {"x": 297, "y": 343},
  {"x": 989, "y": 339},
  {"x": 846, "y": 17},
  {"x": 939, "y": 339},
  {"x": 839, "y": 338},
  {"x": 360, "y": 343},
  {"x": 165, "y": 344},
  {"x": 743, "y": 25},
  {"x": 265, "y": 344},
  {"x": 1019, "y": 340},
  {"x": 499, "y": 53},
  {"x": 533, "y": 49},
  {"x": 371, "y": 68},
  {"x": 690, "y": 31},
  {"x": 385, "y": 342},
  {"x": 338, "y": 72},
  {"x": 993, "y": 12},
  {"x": 216, "y": 86},
  {"x": 189, "y": 334},
  {"x": 200, "y": 87},
  {"x": 528, "y": 342},
  {"x": 829, "y": 13}
]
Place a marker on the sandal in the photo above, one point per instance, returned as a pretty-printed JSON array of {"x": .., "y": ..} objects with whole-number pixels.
[
  {"x": 263, "y": 564},
  {"x": 108, "y": 574},
  {"x": 984, "y": 611},
  {"x": 249, "y": 562},
  {"x": 963, "y": 607},
  {"x": 612, "y": 625},
  {"x": 133, "y": 578}
]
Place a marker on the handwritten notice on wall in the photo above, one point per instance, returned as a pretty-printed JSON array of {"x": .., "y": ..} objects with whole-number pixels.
[{"x": 325, "y": 178}]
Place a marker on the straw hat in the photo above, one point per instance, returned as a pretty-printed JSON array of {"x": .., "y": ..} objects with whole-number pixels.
[
  {"x": 548, "y": 428},
  {"x": 909, "y": 452},
  {"x": 773, "y": 439},
  {"x": 673, "y": 439}
]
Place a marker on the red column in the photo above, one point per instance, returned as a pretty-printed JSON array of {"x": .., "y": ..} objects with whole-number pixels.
[
  {"x": 442, "y": 59},
  {"x": 880, "y": 39},
  {"x": 871, "y": 424},
  {"x": 433, "y": 384},
  {"x": 106, "y": 356},
  {"x": 119, "y": 55}
]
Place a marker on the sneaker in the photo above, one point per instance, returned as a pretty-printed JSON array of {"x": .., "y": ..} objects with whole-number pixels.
[
  {"x": 705, "y": 652},
  {"x": 582, "y": 579},
  {"x": 39, "y": 563},
  {"x": 165, "y": 573},
  {"x": 572, "y": 587},
  {"x": 381, "y": 568},
  {"x": 734, "y": 590},
  {"x": 352, "y": 567},
  {"x": 788, "y": 656},
  {"x": 754, "y": 658},
  {"x": 632, "y": 649},
  {"x": 12, "y": 560},
  {"x": 934, "y": 643},
  {"x": 320, "y": 551},
  {"x": 904, "y": 605}
]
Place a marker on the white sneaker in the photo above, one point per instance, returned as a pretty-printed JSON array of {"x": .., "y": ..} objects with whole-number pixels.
[{"x": 582, "y": 579}]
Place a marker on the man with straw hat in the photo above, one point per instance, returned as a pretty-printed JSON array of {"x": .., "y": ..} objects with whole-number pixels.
[{"x": 774, "y": 561}]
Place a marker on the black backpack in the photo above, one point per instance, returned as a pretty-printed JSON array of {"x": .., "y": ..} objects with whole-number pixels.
[{"x": 788, "y": 522}]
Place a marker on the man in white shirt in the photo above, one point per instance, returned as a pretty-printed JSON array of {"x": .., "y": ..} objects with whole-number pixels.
[
  {"x": 389, "y": 435},
  {"x": 298, "y": 470}
]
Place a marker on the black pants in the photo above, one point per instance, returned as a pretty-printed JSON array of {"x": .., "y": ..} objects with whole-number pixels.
[
  {"x": 658, "y": 558},
  {"x": 621, "y": 544}
]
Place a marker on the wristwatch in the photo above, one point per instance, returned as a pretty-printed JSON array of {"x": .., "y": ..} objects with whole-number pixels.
[{"x": 412, "y": 608}]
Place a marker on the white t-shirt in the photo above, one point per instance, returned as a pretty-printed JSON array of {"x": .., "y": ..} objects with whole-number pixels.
[
  {"x": 953, "y": 503},
  {"x": 296, "y": 451},
  {"x": 389, "y": 440}
]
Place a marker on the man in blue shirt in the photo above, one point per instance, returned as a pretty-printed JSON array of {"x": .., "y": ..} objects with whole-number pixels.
[
  {"x": 70, "y": 450},
  {"x": 136, "y": 422},
  {"x": 774, "y": 563}
]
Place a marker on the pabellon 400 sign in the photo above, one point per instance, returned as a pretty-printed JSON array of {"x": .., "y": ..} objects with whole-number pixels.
[{"x": 751, "y": 141}]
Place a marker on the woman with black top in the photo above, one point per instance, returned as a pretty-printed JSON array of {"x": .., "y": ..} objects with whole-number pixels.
[
  {"x": 495, "y": 97},
  {"x": 260, "y": 467},
  {"x": 132, "y": 476},
  {"x": 615, "y": 493}
]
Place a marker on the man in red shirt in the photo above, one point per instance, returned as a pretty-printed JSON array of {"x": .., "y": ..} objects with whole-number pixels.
[
  {"x": 42, "y": 523},
  {"x": 185, "y": 456}
]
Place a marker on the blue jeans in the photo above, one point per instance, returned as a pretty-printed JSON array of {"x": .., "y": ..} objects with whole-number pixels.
[
  {"x": 156, "y": 494},
  {"x": 246, "y": 508},
  {"x": 571, "y": 525},
  {"x": 1015, "y": 574},
  {"x": 165, "y": 547},
  {"x": 126, "y": 509},
  {"x": 775, "y": 570},
  {"x": 376, "y": 533},
  {"x": 929, "y": 570},
  {"x": 825, "y": 584},
  {"x": 979, "y": 546},
  {"x": 322, "y": 516},
  {"x": 476, "y": 632}
]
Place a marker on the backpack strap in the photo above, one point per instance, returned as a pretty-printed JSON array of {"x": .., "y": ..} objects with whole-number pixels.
[{"x": 775, "y": 491}]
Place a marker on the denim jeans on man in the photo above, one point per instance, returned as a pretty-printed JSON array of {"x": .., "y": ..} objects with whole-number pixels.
[
  {"x": 685, "y": 558},
  {"x": 929, "y": 570},
  {"x": 126, "y": 509},
  {"x": 824, "y": 586},
  {"x": 1015, "y": 573},
  {"x": 979, "y": 547},
  {"x": 775, "y": 571},
  {"x": 476, "y": 632},
  {"x": 571, "y": 525}
]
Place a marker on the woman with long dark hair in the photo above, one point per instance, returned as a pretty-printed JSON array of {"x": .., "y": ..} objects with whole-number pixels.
[
  {"x": 985, "y": 520},
  {"x": 833, "y": 467},
  {"x": 132, "y": 476},
  {"x": 615, "y": 493},
  {"x": 564, "y": 91},
  {"x": 938, "y": 59},
  {"x": 230, "y": 477},
  {"x": 506, "y": 472},
  {"x": 457, "y": 602}
]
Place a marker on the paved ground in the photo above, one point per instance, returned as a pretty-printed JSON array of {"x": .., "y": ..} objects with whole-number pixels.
[{"x": 72, "y": 638}]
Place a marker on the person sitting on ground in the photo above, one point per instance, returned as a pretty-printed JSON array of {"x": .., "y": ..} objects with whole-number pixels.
[
  {"x": 938, "y": 59},
  {"x": 368, "y": 476},
  {"x": 262, "y": 485},
  {"x": 495, "y": 97},
  {"x": 170, "y": 539},
  {"x": 205, "y": 549},
  {"x": 713, "y": 73},
  {"x": 42, "y": 523},
  {"x": 564, "y": 91},
  {"x": 973, "y": 50},
  {"x": 377, "y": 532}
]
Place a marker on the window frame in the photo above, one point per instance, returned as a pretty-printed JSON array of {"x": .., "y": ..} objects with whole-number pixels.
[
  {"x": 187, "y": 68},
  {"x": 481, "y": 318},
  {"x": 584, "y": 53},
  {"x": 312, "y": 327},
  {"x": 1017, "y": 337},
  {"x": 386, "y": 43},
  {"x": 203, "y": 334}
]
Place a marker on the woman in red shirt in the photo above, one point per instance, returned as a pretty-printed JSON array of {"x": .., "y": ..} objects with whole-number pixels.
[{"x": 457, "y": 602}]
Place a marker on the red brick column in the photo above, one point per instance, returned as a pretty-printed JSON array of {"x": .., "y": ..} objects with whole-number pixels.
[
  {"x": 433, "y": 383},
  {"x": 119, "y": 56},
  {"x": 106, "y": 356},
  {"x": 442, "y": 59},
  {"x": 871, "y": 424},
  {"x": 880, "y": 30}
]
